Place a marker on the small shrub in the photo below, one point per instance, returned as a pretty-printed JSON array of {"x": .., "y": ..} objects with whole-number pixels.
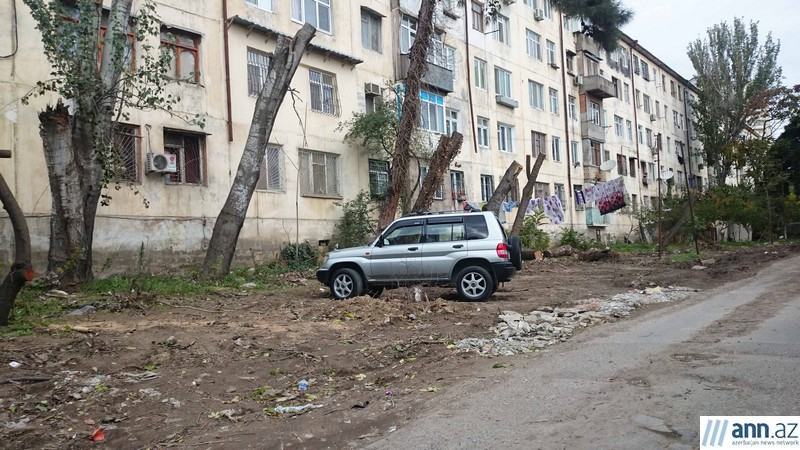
[
  {"x": 355, "y": 227},
  {"x": 531, "y": 236},
  {"x": 299, "y": 256},
  {"x": 575, "y": 239}
]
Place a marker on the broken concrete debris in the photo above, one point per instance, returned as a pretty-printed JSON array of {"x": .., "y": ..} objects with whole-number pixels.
[{"x": 518, "y": 333}]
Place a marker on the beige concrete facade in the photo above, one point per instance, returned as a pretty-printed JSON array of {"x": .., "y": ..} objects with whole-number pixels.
[{"x": 311, "y": 168}]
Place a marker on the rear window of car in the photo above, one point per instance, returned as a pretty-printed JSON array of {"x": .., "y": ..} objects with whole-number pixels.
[{"x": 476, "y": 227}]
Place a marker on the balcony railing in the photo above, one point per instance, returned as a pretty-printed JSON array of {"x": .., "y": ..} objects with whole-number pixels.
[
  {"x": 597, "y": 86},
  {"x": 436, "y": 76}
]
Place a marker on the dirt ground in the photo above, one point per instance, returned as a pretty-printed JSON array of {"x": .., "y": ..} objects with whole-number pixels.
[{"x": 214, "y": 373}]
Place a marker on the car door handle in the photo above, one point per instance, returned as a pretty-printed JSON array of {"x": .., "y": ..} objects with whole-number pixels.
[
  {"x": 458, "y": 245},
  {"x": 413, "y": 249}
]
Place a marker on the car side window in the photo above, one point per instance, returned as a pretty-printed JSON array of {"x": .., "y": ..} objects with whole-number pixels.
[
  {"x": 476, "y": 227},
  {"x": 444, "y": 232},
  {"x": 404, "y": 234}
]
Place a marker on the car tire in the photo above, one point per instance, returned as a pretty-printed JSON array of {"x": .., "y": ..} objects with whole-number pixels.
[
  {"x": 346, "y": 283},
  {"x": 375, "y": 292},
  {"x": 515, "y": 251},
  {"x": 474, "y": 284}
]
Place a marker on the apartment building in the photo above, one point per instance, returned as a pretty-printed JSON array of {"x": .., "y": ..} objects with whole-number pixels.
[{"x": 526, "y": 83}]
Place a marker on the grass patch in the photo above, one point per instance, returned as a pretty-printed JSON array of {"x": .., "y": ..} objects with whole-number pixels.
[
  {"x": 684, "y": 257},
  {"x": 634, "y": 247}
]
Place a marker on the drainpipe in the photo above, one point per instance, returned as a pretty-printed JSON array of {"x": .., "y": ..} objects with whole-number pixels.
[
  {"x": 469, "y": 79},
  {"x": 227, "y": 68},
  {"x": 568, "y": 144},
  {"x": 636, "y": 140}
]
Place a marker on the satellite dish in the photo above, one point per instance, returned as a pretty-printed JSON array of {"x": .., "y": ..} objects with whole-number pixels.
[
  {"x": 666, "y": 174},
  {"x": 608, "y": 165}
]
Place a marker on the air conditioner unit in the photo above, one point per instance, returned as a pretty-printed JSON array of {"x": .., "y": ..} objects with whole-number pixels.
[
  {"x": 578, "y": 80},
  {"x": 161, "y": 162},
  {"x": 538, "y": 14},
  {"x": 653, "y": 117},
  {"x": 372, "y": 89}
]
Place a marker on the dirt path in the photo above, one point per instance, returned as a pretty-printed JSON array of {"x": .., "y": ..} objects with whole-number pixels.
[{"x": 211, "y": 373}]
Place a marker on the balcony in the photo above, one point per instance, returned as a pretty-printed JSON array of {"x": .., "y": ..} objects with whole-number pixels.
[
  {"x": 590, "y": 130},
  {"x": 592, "y": 173},
  {"x": 597, "y": 86},
  {"x": 505, "y": 101},
  {"x": 436, "y": 77}
]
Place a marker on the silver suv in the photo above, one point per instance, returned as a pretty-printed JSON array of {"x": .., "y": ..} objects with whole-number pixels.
[{"x": 468, "y": 250}]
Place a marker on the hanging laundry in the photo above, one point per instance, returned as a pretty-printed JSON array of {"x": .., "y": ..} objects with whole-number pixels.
[
  {"x": 533, "y": 205},
  {"x": 588, "y": 194},
  {"x": 613, "y": 196},
  {"x": 580, "y": 199},
  {"x": 508, "y": 206},
  {"x": 554, "y": 210}
]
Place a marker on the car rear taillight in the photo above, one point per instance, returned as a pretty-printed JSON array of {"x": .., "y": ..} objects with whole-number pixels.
[{"x": 502, "y": 250}]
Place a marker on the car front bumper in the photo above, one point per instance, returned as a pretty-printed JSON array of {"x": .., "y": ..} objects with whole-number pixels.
[{"x": 322, "y": 276}]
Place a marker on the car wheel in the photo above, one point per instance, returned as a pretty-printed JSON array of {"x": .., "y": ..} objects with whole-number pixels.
[
  {"x": 375, "y": 292},
  {"x": 515, "y": 251},
  {"x": 346, "y": 283},
  {"x": 474, "y": 284}
]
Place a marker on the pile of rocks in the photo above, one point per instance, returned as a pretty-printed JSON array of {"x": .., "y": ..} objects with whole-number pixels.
[{"x": 518, "y": 333}]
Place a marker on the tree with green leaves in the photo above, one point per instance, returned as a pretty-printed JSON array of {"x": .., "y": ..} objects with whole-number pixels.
[
  {"x": 735, "y": 74},
  {"x": 90, "y": 53}
]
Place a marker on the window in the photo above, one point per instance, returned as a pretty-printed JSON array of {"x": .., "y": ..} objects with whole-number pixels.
[
  {"x": 576, "y": 153},
  {"x": 125, "y": 162},
  {"x": 257, "y": 69},
  {"x": 319, "y": 174},
  {"x": 183, "y": 48},
  {"x": 675, "y": 118},
  {"x": 657, "y": 108},
  {"x": 551, "y": 53},
  {"x": 189, "y": 151},
  {"x": 548, "y": 9},
  {"x": 323, "y": 92},
  {"x": 536, "y": 94},
  {"x": 431, "y": 114},
  {"x": 541, "y": 190},
  {"x": 439, "y": 194},
  {"x": 680, "y": 121},
  {"x": 477, "y": 15},
  {"x": 408, "y": 33},
  {"x": 570, "y": 63},
  {"x": 641, "y": 134},
  {"x": 593, "y": 153},
  {"x": 591, "y": 66},
  {"x": 502, "y": 82},
  {"x": 573, "y": 108},
  {"x": 404, "y": 234},
  {"x": 618, "y": 126},
  {"x": 450, "y": 122},
  {"x": 480, "y": 74},
  {"x": 270, "y": 177},
  {"x": 649, "y": 134},
  {"x": 651, "y": 171},
  {"x": 638, "y": 98},
  {"x": 487, "y": 187},
  {"x": 513, "y": 194},
  {"x": 530, "y": 3},
  {"x": 450, "y": 59},
  {"x": 617, "y": 91},
  {"x": 672, "y": 87},
  {"x": 634, "y": 202},
  {"x": 370, "y": 30},
  {"x": 555, "y": 148},
  {"x": 501, "y": 29},
  {"x": 533, "y": 44},
  {"x": 263, "y": 4},
  {"x": 483, "y": 132},
  {"x": 622, "y": 165},
  {"x": 505, "y": 137},
  {"x": 444, "y": 230},
  {"x": 538, "y": 143},
  {"x": 629, "y": 129},
  {"x": 129, "y": 51},
  {"x": 315, "y": 12},
  {"x": 457, "y": 185},
  {"x": 626, "y": 91},
  {"x": 378, "y": 178},
  {"x": 594, "y": 111},
  {"x": 578, "y": 188},
  {"x": 554, "y": 101},
  {"x": 632, "y": 166},
  {"x": 558, "y": 190},
  {"x": 645, "y": 71},
  {"x": 646, "y": 100}
]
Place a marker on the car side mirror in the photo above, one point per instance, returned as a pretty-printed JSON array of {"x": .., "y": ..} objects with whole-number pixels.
[{"x": 379, "y": 241}]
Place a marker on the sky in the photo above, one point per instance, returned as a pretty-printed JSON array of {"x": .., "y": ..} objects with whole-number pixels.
[{"x": 666, "y": 27}]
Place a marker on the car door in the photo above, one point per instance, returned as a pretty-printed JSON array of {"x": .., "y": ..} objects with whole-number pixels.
[
  {"x": 444, "y": 244},
  {"x": 397, "y": 252}
]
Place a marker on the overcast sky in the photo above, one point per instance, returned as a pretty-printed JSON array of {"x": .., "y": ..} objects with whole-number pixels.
[{"x": 666, "y": 27}]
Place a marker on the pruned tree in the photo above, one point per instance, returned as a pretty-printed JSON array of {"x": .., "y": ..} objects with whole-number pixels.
[
  {"x": 79, "y": 147},
  {"x": 409, "y": 120},
  {"x": 283, "y": 66},
  {"x": 734, "y": 73},
  {"x": 21, "y": 270},
  {"x": 503, "y": 187},
  {"x": 445, "y": 152},
  {"x": 527, "y": 191}
]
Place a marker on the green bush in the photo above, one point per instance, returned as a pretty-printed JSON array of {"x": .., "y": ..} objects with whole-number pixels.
[
  {"x": 575, "y": 239},
  {"x": 355, "y": 227},
  {"x": 299, "y": 256},
  {"x": 531, "y": 236}
]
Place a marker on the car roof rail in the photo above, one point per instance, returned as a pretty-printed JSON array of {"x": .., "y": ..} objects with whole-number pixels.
[{"x": 423, "y": 212}]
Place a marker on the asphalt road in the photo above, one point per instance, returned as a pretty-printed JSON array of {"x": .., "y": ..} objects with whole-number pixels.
[{"x": 641, "y": 383}]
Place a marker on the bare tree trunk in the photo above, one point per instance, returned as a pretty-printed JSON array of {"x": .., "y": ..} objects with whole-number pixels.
[
  {"x": 74, "y": 174},
  {"x": 446, "y": 151},
  {"x": 677, "y": 227},
  {"x": 21, "y": 271},
  {"x": 527, "y": 192},
  {"x": 503, "y": 187},
  {"x": 283, "y": 66},
  {"x": 409, "y": 120}
]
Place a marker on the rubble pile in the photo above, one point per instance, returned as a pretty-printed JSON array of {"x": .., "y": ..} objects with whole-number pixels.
[{"x": 518, "y": 333}]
